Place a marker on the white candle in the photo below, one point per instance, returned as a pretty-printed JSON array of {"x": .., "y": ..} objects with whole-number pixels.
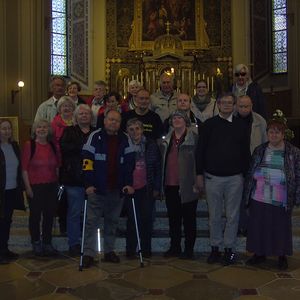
[
  {"x": 212, "y": 83},
  {"x": 207, "y": 81},
  {"x": 203, "y": 76},
  {"x": 142, "y": 79}
]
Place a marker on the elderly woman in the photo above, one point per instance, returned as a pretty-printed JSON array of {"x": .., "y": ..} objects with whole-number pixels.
[
  {"x": 73, "y": 88},
  {"x": 11, "y": 187},
  {"x": 203, "y": 105},
  {"x": 179, "y": 169},
  {"x": 64, "y": 118},
  {"x": 146, "y": 183},
  {"x": 129, "y": 102},
  {"x": 74, "y": 137},
  {"x": 243, "y": 85},
  {"x": 272, "y": 188},
  {"x": 40, "y": 163}
]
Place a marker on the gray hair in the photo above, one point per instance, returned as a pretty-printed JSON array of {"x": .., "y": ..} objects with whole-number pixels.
[
  {"x": 134, "y": 121},
  {"x": 77, "y": 109},
  {"x": 63, "y": 100},
  {"x": 227, "y": 94},
  {"x": 164, "y": 74},
  {"x": 56, "y": 77},
  {"x": 239, "y": 67},
  {"x": 36, "y": 124},
  {"x": 134, "y": 82}
]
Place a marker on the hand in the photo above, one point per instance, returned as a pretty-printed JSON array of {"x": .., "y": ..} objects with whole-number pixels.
[
  {"x": 90, "y": 190},
  {"x": 29, "y": 192},
  {"x": 127, "y": 189},
  {"x": 200, "y": 183}
]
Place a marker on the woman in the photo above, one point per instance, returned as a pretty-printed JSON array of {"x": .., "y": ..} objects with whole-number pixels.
[
  {"x": 272, "y": 188},
  {"x": 73, "y": 88},
  {"x": 179, "y": 169},
  {"x": 243, "y": 85},
  {"x": 146, "y": 183},
  {"x": 40, "y": 163},
  {"x": 11, "y": 187},
  {"x": 63, "y": 119},
  {"x": 203, "y": 106},
  {"x": 129, "y": 102},
  {"x": 74, "y": 137}
]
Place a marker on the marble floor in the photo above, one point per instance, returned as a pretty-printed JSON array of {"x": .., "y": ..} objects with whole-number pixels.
[{"x": 164, "y": 279}]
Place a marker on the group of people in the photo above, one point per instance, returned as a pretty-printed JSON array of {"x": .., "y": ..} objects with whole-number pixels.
[{"x": 167, "y": 145}]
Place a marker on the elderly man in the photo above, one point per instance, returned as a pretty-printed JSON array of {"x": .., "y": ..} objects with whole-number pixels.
[
  {"x": 48, "y": 109},
  {"x": 222, "y": 158},
  {"x": 97, "y": 100},
  {"x": 153, "y": 127},
  {"x": 164, "y": 101},
  {"x": 184, "y": 104},
  {"x": 108, "y": 166},
  {"x": 257, "y": 134}
]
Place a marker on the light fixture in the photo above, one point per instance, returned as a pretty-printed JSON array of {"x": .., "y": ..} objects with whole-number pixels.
[{"x": 15, "y": 92}]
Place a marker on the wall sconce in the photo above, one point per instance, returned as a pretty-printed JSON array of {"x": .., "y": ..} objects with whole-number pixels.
[{"x": 15, "y": 92}]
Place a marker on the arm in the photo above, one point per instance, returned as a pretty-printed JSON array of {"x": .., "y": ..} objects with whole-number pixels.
[{"x": 28, "y": 188}]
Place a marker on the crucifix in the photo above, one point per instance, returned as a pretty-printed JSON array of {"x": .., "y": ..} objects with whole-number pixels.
[{"x": 168, "y": 27}]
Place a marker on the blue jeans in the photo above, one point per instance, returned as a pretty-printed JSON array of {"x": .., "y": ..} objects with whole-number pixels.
[
  {"x": 109, "y": 206},
  {"x": 75, "y": 197},
  {"x": 223, "y": 191},
  {"x": 144, "y": 208}
]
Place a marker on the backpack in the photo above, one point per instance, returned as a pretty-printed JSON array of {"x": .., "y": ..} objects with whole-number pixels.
[{"x": 33, "y": 146}]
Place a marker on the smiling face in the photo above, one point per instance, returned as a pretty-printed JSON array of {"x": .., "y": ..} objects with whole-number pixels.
[
  {"x": 201, "y": 89},
  {"x": 66, "y": 109},
  {"x": 135, "y": 132},
  {"x": 111, "y": 102},
  {"x": 42, "y": 131},
  {"x": 99, "y": 91},
  {"x": 58, "y": 87},
  {"x": 73, "y": 90},
  {"x": 133, "y": 89},
  {"x": 142, "y": 100},
  {"x": 5, "y": 131},
  {"x": 83, "y": 116},
  {"x": 275, "y": 137}
]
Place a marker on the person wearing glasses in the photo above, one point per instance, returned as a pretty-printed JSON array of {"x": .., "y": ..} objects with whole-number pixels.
[
  {"x": 203, "y": 105},
  {"x": 243, "y": 85}
]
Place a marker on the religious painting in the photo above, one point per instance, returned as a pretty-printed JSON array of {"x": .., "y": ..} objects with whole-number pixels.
[
  {"x": 177, "y": 17},
  {"x": 183, "y": 19}
]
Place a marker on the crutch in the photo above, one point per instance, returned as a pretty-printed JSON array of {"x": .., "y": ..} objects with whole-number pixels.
[{"x": 83, "y": 233}]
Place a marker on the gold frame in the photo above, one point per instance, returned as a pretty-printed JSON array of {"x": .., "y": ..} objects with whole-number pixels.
[{"x": 137, "y": 44}]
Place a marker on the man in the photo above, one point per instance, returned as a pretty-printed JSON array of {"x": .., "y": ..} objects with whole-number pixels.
[
  {"x": 108, "y": 165},
  {"x": 164, "y": 101},
  {"x": 222, "y": 158},
  {"x": 47, "y": 110},
  {"x": 184, "y": 104},
  {"x": 153, "y": 127},
  {"x": 97, "y": 100},
  {"x": 257, "y": 134}
]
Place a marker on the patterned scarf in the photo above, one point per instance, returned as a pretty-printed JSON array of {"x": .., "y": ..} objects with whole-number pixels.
[{"x": 201, "y": 102}]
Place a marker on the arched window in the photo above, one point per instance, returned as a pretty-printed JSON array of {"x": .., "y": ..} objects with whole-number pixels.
[
  {"x": 279, "y": 36},
  {"x": 59, "y": 38}
]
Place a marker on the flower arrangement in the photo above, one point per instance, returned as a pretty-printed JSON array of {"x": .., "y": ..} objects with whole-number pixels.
[{"x": 278, "y": 115}]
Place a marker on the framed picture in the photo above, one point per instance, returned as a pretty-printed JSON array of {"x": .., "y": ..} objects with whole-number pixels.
[{"x": 181, "y": 18}]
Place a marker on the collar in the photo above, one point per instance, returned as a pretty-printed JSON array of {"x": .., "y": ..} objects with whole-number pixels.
[{"x": 229, "y": 119}]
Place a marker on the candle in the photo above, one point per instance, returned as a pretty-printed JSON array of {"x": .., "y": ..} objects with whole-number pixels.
[
  {"x": 194, "y": 78},
  {"x": 212, "y": 83},
  {"x": 207, "y": 81},
  {"x": 132, "y": 77},
  {"x": 203, "y": 76},
  {"x": 198, "y": 76},
  {"x": 124, "y": 86},
  {"x": 142, "y": 79}
]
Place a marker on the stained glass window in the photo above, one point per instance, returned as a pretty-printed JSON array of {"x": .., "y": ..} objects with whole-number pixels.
[
  {"x": 279, "y": 36},
  {"x": 59, "y": 37}
]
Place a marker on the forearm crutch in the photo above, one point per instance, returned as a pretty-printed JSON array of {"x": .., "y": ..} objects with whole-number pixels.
[
  {"x": 137, "y": 233},
  {"x": 83, "y": 233}
]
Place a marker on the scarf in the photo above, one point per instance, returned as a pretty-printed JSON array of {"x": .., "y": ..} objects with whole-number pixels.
[{"x": 202, "y": 102}]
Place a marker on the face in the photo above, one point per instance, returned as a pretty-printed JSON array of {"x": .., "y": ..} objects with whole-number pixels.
[
  {"x": 166, "y": 85},
  {"x": 112, "y": 122},
  {"x": 244, "y": 106},
  {"x": 201, "y": 89},
  {"x": 73, "y": 90},
  {"x": 275, "y": 137},
  {"x": 241, "y": 77},
  {"x": 226, "y": 105},
  {"x": 58, "y": 88},
  {"x": 83, "y": 116},
  {"x": 99, "y": 91},
  {"x": 178, "y": 122},
  {"x": 42, "y": 130},
  {"x": 111, "y": 102},
  {"x": 133, "y": 89},
  {"x": 183, "y": 102},
  {"x": 66, "y": 109},
  {"x": 142, "y": 100},
  {"x": 135, "y": 132},
  {"x": 5, "y": 131}
]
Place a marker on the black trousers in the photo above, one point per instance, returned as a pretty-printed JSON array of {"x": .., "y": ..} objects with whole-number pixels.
[
  {"x": 6, "y": 220},
  {"x": 42, "y": 204},
  {"x": 181, "y": 213}
]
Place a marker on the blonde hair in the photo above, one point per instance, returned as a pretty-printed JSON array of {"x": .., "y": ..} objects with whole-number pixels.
[
  {"x": 36, "y": 124},
  {"x": 63, "y": 100}
]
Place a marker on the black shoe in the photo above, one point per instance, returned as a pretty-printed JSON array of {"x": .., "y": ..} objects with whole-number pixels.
[
  {"x": 282, "y": 263},
  {"x": 87, "y": 261},
  {"x": 172, "y": 253},
  {"x": 37, "y": 248},
  {"x": 9, "y": 254},
  {"x": 111, "y": 257},
  {"x": 48, "y": 250},
  {"x": 229, "y": 257},
  {"x": 75, "y": 250},
  {"x": 255, "y": 260},
  {"x": 215, "y": 256},
  {"x": 187, "y": 255},
  {"x": 4, "y": 260}
]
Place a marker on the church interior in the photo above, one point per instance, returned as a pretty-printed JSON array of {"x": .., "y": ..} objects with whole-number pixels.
[{"x": 113, "y": 41}]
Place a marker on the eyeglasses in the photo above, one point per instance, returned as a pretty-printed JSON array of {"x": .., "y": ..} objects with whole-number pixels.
[{"x": 240, "y": 74}]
